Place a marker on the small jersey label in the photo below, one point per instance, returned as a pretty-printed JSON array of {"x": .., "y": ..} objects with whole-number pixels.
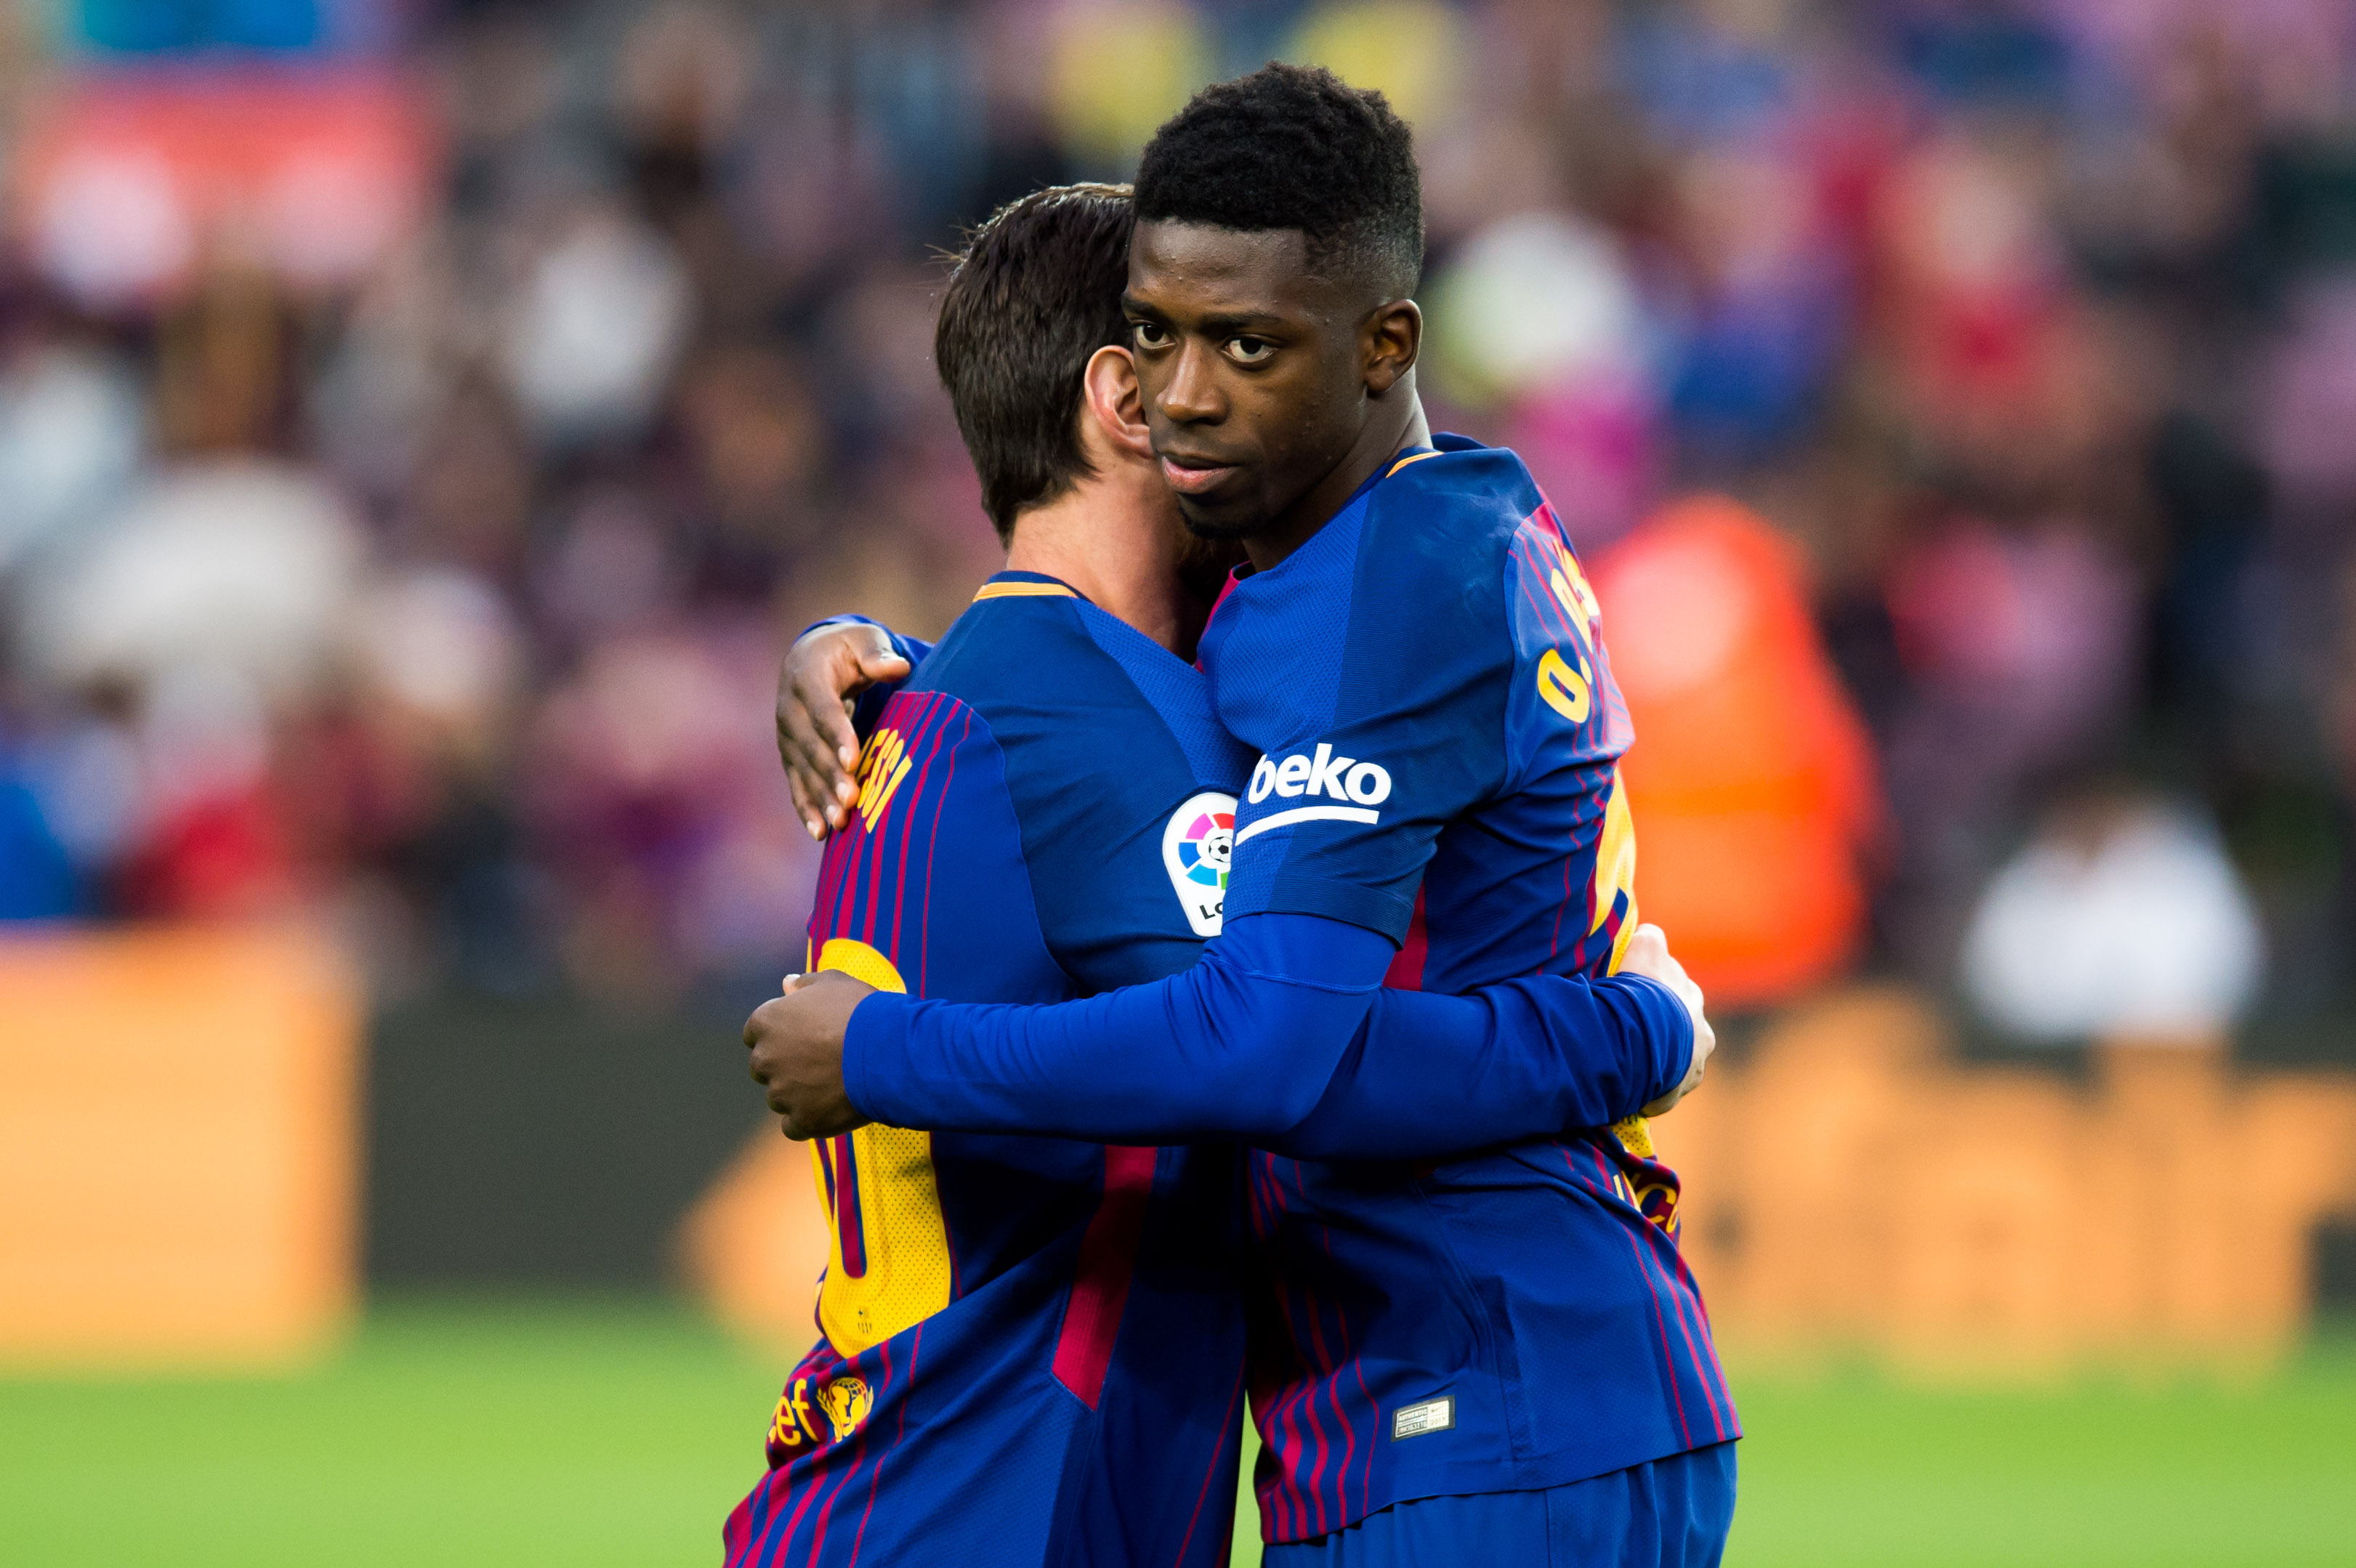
[
  {"x": 1196, "y": 845},
  {"x": 1431, "y": 1415}
]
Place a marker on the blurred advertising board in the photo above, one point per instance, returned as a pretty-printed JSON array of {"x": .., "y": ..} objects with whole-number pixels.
[
  {"x": 178, "y": 1119},
  {"x": 130, "y": 181}
]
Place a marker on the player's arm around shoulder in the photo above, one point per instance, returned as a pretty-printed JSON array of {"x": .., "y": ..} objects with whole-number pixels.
[
  {"x": 818, "y": 687},
  {"x": 925, "y": 877}
]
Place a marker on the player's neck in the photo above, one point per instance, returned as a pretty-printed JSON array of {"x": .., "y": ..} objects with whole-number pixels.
[
  {"x": 1399, "y": 424},
  {"x": 1111, "y": 539}
]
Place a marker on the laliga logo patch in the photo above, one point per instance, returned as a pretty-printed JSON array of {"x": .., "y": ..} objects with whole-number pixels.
[{"x": 1196, "y": 847}]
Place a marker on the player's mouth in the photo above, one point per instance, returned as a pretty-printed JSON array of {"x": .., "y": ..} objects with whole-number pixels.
[{"x": 1194, "y": 475}]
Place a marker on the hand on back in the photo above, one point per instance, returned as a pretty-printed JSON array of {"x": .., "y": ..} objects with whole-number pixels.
[
  {"x": 1648, "y": 955},
  {"x": 824, "y": 672}
]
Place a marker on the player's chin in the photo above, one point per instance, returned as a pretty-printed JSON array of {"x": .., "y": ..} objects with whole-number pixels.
[{"x": 1218, "y": 519}]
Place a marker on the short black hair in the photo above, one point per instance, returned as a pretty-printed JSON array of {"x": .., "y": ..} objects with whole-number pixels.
[
  {"x": 1294, "y": 147},
  {"x": 1034, "y": 295}
]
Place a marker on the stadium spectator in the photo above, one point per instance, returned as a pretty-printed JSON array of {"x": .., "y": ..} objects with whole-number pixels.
[{"x": 600, "y": 332}]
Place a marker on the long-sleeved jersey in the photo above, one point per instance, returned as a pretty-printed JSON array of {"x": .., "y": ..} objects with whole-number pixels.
[
  {"x": 1426, "y": 686},
  {"x": 1033, "y": 1347}
]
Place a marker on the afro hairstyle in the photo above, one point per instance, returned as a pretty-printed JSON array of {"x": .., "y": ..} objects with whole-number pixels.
[{"x": 1294, "y": 147}]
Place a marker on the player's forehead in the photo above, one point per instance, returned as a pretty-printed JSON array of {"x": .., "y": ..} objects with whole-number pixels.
[{"x": 1189, "y": 272}]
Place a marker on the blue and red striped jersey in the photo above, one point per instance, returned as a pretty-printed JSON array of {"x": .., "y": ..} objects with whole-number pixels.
[
  {"x": 1426, "y": 682},
  {"x": 1031, "y": 1348}
]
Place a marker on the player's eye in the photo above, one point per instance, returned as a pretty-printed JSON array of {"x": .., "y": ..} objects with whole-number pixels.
[
  {"x": 1150, "y": 334},
  {"x": 1249, "y": 350}
]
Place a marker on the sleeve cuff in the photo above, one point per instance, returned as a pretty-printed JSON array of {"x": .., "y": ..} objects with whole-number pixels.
[
  {"x": 1668, "y": 1031},
  {"x": 875, "y": 1057}
]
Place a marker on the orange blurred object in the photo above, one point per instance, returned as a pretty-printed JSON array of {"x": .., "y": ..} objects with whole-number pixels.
[
  {"x": 178, "y": 1137},
  {"x": 1854, "y": 1184},
  {"x": 1751, "y": 779},
  {"x": 756, "y": 1243}
]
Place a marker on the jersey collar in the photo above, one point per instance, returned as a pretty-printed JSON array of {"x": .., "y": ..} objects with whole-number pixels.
[{"x": 1026, "y": 585}]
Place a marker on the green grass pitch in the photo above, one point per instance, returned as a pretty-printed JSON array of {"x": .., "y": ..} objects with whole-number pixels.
[{"x": 587, "y": 1434}]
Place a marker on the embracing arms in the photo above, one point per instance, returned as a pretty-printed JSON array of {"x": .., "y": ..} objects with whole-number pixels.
[{"x": 1283, "y": 1034}]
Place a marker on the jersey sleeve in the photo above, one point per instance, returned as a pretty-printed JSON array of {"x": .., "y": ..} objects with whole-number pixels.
[
  {"x": 1282, "y": 1035},
  {"x": 1525, "y": 1059},
  {"x": 1374, "y": 740}
]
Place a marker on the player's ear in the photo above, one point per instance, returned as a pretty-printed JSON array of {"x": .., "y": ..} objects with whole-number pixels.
[
  {"x": 1388, "y": 342},
  {"x": 1116, "y": 401}
]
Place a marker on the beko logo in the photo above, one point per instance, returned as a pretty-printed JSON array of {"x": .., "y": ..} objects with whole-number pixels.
[{"x": 1362, "y": 785}]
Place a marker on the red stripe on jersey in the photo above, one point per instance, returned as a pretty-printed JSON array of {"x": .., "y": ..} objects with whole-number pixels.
[
  {"x": 932, "y": 843},
  {"x": 1405, "y": 973},
  {"x": 1100, "y": 1282},
  {"x": 858, "y": 1458},
  {"x": 1660, "y": 1324},
  {"x": 846, "y": 1207},
  {"x": 1226, "y": 586},
  {"x": 875, "y": 1477},
  {"x": 1226, "y": 1423}
]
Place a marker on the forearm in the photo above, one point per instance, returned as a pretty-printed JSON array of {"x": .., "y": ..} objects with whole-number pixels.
[
  {"x": 1434, "y": 1076},
  {"x": 1242, "y": 1046}
]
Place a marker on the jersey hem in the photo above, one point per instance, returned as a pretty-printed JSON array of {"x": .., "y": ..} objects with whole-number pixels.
[{"x": 1475, "y": 1477}]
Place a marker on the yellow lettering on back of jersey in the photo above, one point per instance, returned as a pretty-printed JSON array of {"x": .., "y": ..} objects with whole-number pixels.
[{"x": 881, "y": 765}]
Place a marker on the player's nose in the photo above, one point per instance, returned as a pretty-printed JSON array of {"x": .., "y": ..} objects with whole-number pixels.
[{"x": 1192, "y": 394}]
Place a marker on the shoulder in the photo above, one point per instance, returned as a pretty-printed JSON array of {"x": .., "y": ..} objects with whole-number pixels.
[
  {"x": 1031, "y": 669},
  {"x": 1437, "y": 561},
  {"x": 1096, "y": 782},
  {"x": 1461, "y": 486},
  {"x": 1446, "y": 502},
  {"x": 1003, "y": 649},
  {"x": 1440, "y": 537}
]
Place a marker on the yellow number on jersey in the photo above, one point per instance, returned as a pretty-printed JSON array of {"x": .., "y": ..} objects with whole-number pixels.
[
  {"x": 1566, "y": 691},
  {"x": 898, "y": 1204}
]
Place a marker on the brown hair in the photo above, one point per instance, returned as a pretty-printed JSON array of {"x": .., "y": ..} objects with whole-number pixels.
[{"x": 1035, "y": 295}]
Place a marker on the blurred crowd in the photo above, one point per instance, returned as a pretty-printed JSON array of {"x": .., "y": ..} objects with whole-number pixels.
[{"x": 422, "y": 425}]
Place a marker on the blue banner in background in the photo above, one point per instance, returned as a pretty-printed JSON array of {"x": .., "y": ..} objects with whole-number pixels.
[{"x": 159, "y": 27}]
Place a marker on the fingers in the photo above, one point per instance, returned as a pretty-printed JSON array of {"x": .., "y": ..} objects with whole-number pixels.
[
  {"x": 1705, "y": 1042},
  {"x": 883, "y": 667},
  {"x": 860, "y": 670},
  {"x": 796, "y": 1044},
  {"x": 806, "y": 810},
  {"x": 804, "y": 753},
  {"x": 1647, "y": 953},
  {"x": 822, "y": 672},
  {"x": 840, "y": 740},
  {"x": 831, "y": 753}
]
